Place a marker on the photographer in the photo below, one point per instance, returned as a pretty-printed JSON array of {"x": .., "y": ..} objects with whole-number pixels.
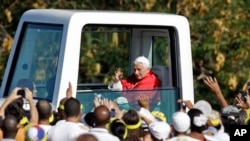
[{"x": 13, "y": 105}]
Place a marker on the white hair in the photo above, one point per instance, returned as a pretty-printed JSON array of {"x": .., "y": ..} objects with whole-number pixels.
[{"x": 143, "y": 60}]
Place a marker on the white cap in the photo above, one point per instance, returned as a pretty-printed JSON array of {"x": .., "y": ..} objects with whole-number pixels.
[
  {"x": 144, "y": 60},
  {"x": 204, "y": 106},
  {"x": 181, "y": 121},
  {"x": 159, "y": 129}
]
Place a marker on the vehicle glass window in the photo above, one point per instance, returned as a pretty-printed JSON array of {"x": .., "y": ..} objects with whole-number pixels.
[
  {"x": 161, "y": 53},
  {"x": 161, "y": 56},
  {"x": 164, "y": 100},
  {"x": 36, "y": 61},
  {"x": 103, "y": 50},
  {"x": 157, "y": 48}
]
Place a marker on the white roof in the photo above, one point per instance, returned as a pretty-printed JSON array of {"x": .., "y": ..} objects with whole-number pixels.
[{"x": 115, "y": 17}]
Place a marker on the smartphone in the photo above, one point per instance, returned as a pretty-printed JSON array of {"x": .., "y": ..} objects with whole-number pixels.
[
  {"x": 21, "y": 92},
  {"x": 112, "y": 113}
]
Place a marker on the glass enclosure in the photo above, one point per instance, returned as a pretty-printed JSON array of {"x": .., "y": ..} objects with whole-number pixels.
[
  {"x": 164, "y": 100},
  {"x": 36, "y": 59},
  {"x": 104, "y": 48}
]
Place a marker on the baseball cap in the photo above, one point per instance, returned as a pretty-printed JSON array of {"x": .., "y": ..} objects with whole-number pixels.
[
  {"x": 181, "y": 121},
  {"x": 159, "y": 129},
  {"x": 159, "y": 115},
  {"x": 204, "y": 106}
]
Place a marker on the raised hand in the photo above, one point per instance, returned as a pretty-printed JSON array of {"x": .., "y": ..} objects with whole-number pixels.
[
  {"x": 240, "y": 103},
  {"x": 212, "y": 84},
  {"x": 215, "y": 88},
  {"x": 118, "y": 74},
  {"x": 143, "y": 101},
  {"x": 69, "y": 91}
]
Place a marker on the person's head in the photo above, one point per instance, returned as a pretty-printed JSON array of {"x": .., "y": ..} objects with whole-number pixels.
[
  {"x": 86, "y": 137},
  {"x": 133, "y": 123},
  {"x": 89, "y": 119},
  {"x": 214, "y": 120},
  {"x": 230, "y": 116},
  {"x": 72, "y": 108},
  {"x": 60, "y": 108},
  {"x": 180, "y": 122},
  {"x": 204, "y": 106},
  {"x": 160, "y": 116},
  {"x": 159, "y": 130},
  {"x": 9, "y": 126},
  {"x": 118, "y": 128},
  {"x": 15, "y": 108},
  {"x": 141, "y": 67},
  {"x": 44, "y": 109},
  {"x": 198, "y": 120},
  {"x": 102, "y": 116}
]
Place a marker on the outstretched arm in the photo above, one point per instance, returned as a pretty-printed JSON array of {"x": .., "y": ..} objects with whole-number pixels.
[
  {"x": 33, "y": 110},
  {"x": 215, "y": 88}
]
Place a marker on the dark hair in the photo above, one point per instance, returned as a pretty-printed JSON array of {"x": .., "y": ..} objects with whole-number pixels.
[
  {"x": 15, "y": 108},
  {"x": 44, "y": 109},
  {"x": 72, "y": 107},
  {"x": 193, "y": 113},
  {"x": 233, "y": 118},
  {"x": 9, "y": 126},
  {"x": 131, "y": 117},
  {"x": 89, "y": 119},
  {"x": 118, "y": 129}
]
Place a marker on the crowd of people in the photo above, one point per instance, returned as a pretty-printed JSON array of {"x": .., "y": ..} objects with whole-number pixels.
[{"x": 107, "y": 122}]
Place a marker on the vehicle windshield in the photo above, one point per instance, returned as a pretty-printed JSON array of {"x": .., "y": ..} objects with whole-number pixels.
[
  {"x": 163, "y": 100},
  {"x": 36, "y": 62}
]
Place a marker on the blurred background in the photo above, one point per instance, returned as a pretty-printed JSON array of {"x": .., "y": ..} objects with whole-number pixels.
[{"x": 220, "y": 35}]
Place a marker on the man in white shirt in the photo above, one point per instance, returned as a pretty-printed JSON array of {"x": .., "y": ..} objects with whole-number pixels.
[{"x": 68, "y": 129}]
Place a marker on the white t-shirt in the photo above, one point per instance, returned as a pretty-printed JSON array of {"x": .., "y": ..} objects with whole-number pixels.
[
  {"x": 65, "y": 131},
  {"x": 102, "y": 134},
  {"x": 45, "y": 127}
]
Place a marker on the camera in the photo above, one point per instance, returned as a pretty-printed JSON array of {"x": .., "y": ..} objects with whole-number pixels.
[{"x": 21, "y": 92}]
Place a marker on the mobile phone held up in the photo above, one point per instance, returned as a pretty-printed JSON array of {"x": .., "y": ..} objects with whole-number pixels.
[
  {"x": 21, "y": 92},
  {"x": 112, "y": 113}
]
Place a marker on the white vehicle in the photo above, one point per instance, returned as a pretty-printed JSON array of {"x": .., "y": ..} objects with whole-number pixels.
[{"x": 53, "y": 47}]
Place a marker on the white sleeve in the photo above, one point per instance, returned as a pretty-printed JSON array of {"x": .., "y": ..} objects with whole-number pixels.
[
  {"x": 115, "y": 86},
  {"x": 146, "y": 113}
]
